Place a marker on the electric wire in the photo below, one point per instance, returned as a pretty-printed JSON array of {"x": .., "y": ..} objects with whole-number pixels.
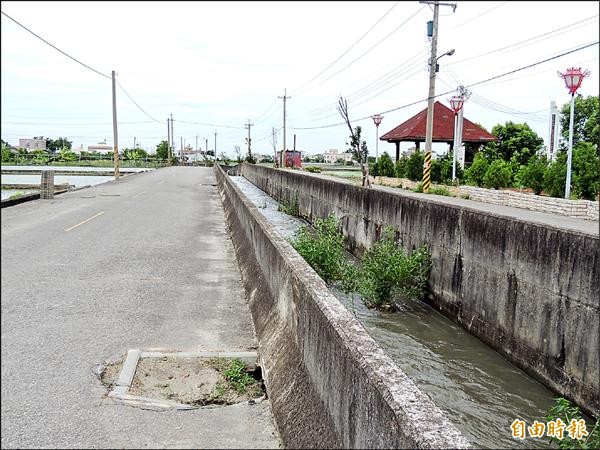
[
  {"x": 374, "y": 46},
  {"x": 56, "y": 48},
  {"x": 529, "y": 41},
  {"x": 468, "y": 86},
  {"x": 136, "y": 104},
  {"x": 346, "y": 52}
]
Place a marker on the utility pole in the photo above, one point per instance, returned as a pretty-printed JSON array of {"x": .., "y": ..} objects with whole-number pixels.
[
  {"x": 249, "y": 140},
  {"x": 215, "y": 146},
  {"x": 134, "y": 142},
  {"x": 115, "y": 133},
  {"x": 168, "y": 138},
  {"x": 431, "y": 96},
  {"x": 181, "y": 149},
  {"x": 172, "y": 143},
  {"x": 285, "y": 97}
]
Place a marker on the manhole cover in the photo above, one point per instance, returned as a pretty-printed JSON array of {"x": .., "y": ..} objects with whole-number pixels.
[{"x": 160, "y": 381}]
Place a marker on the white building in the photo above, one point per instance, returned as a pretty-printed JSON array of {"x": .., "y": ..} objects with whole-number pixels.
[
  {"x": 101, "y": 147},
  {"x": 333, "y": 155},
  {"x": 37, "y": 143}
]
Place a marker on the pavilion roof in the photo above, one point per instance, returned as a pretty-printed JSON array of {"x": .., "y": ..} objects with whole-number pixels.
[{"x": 443, "y": 128}]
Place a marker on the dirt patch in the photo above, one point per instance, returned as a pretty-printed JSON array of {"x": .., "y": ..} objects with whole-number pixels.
[
  {"x": 109, "y": 374},
  {"x": 192, "y": 381}
]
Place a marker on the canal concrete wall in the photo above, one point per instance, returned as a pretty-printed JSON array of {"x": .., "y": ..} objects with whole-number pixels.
[
  {"x": 528, "y": 290},
  {"x": 329, "y": 382}
]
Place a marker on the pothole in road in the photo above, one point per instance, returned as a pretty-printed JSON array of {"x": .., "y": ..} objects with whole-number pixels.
[{"x": 160, "y": 381}]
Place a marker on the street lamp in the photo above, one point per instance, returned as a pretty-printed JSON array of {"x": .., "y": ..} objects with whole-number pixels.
[
  {"x": 437, "y": 66},
  {"x": 456, "y": 103},
  {"x": 377, "y": 120},
  {"x": 573, "y": 78}
]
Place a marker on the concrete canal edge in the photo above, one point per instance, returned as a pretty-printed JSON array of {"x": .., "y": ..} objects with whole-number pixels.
[
  {"x": 528, "y": 290},
  {"x": 330, "y": 384}
]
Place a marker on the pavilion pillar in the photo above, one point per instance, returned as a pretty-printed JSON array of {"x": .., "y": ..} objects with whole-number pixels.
[
  {"x": 418, "y": 145},
  {"x": 397, "y": 150}
]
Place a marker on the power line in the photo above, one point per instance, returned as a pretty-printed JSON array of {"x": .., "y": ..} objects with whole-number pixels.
[
  {"x": 528, "y": 41},
  {"x": 469, "y": 86},
  {"x": 346, "y": 52},
  {"x": 479, "y": 15},
  {"x": 73, "y": 124},
  {"x": 208, "y": 124},
  {"x": 371, "y": 48},
  {"x": 135, "y": 103},
  {"x": 56, "y": 48}
]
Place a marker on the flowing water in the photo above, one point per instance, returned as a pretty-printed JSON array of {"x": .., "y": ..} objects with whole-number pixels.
[{"x": 480, "y": 391}]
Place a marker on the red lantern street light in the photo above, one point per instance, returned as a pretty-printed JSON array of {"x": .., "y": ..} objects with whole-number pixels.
[
  {"x": 377, "y": 120},
  {"x": 573, "y": 78},
  {"x": 456, "y": 103}
]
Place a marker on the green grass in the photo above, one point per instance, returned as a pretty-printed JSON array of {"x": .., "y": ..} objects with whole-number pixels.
[{"x": 236, "y": 376}]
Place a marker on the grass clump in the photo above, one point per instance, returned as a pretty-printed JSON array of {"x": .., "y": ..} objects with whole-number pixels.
[
  {"x": 388, "y": 271},
  {"x": 236, "y": 376},
  {"x": 323, "y": 248},
  {"x": 570, "y": 416},
  {"x": 313, "y": 169},
  {"x": 440, "y": 190},
  {"x": 290, "y": 209}
]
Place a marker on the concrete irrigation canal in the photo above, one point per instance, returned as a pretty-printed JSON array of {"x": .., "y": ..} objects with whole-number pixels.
[{"x": 510, "y": 358}]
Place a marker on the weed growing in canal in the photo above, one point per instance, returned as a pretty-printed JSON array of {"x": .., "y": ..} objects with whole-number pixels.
[
  {"x": 388, "y": 271},
  {"x": 567, "y": 413},
  {"x": 385, "y": 272},
  {"x": 323, "y": 248},
  {"x": 291, "y": 209}
]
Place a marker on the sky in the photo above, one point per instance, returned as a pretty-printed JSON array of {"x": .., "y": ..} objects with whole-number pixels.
[{"x": 217, "y": 65}]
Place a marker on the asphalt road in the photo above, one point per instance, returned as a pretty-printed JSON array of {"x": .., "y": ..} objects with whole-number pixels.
[{"x": 142, "y": 262}]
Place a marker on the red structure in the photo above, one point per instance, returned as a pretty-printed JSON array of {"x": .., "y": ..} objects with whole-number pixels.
[
  {"x": 292, "y": 158},
  {"x": 413, "y": 130}
]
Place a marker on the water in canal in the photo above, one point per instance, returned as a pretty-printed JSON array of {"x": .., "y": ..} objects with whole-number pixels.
[{"x": 480, "y": 391}]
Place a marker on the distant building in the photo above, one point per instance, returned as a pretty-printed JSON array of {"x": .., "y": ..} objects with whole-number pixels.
[
  {"x": 37, "y": 143},
  {"x": 333, "y": 155},
  {"x": 101, "y": 147}
]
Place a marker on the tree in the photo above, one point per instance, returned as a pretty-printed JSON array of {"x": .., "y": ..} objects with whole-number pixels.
[
  {"x": 477, "y": 171},
  {"x": 385, "y": 166},
  {"x": 162, "y": 150},
  {"x": 54, "y": 146},
  {"x": 586, "y": 170},
  {"x": 555, "y": 177},
  {"x": 358, "y": 148},
  {"x": 586, "y": 127},
  {"x": 498, "y": 175},
  {"x": 67, "y": 155},
  {"x": 400, "y": 167},
  {"x": 514, "y": 139},
  {"x": 414, "y": 166},
  {"x": 274, "y": 145},
  {"x": 532, "y": 175},
  {"x": 7, "y": 155}
]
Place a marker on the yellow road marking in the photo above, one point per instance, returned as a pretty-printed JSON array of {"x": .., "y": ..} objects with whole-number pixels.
[
  {"x": 85, "y": 221},
  {"x": 139, "y": 193}
]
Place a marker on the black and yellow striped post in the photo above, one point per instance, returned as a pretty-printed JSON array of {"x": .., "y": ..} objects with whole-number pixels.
[{"x": 427, "y": 171}]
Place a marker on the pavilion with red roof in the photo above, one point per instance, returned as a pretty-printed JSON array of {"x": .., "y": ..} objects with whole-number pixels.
[{"x": 413, "y": 130}]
